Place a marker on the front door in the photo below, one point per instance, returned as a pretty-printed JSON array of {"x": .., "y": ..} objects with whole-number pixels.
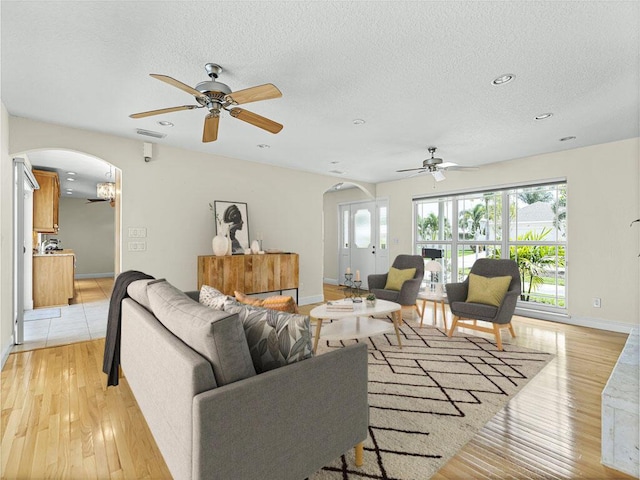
[{"x": 363, "y": 245}]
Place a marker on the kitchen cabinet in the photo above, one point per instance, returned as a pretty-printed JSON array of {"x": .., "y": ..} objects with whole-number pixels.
[
  {"x": 272, "y": 272},
  {"x": 53, "y": 276},
  {"x": 46, "y": 202}
]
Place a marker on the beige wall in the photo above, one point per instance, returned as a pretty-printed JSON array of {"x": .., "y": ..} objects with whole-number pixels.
[
  {"x": 6, "y": 238},
  {"x": 603, "y": 198},
  {"x": 170, "y": 197},
  {"x": 88, "y": 229},
  {"x": 331, "y": 227}
]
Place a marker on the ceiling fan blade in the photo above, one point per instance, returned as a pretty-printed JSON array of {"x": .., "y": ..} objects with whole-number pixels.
[
  {"x": 178, "y": 84},
  {"x": 163, "y": 110},
  {"x": 461, "y": 168},
  {"x": 417, "y": 173},
  {"x": 410, "y": 169},
  {"x": 210, "y": 133},
  {"x": 254, "y": 94},
  {"x": 255, "y": 119}
]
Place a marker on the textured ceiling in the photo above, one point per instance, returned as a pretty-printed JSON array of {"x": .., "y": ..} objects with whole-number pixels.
[{"x": 418, "y": 73}]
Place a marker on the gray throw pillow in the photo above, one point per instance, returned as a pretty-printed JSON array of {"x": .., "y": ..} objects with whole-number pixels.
[
  {"x": 275, "y": 338},
  {"x": 216, "y": 335},
  {"x": 138, "y": 291}
]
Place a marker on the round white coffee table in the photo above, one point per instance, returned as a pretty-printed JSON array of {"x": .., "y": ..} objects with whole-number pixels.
[{"x": 357, "y": 323}]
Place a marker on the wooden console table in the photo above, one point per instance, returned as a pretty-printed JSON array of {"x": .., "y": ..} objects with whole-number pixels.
[{"x": 270, "y": 272}]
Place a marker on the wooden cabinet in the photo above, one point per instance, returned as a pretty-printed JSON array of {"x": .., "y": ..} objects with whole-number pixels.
[
  {"x": 46, "y": 202},
  {"x": 53, "y": 276},
  {"x": 271, "y": 272}
]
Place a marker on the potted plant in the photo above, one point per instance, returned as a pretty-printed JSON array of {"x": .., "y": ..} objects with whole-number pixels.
[{"x": 371, "y": 300}]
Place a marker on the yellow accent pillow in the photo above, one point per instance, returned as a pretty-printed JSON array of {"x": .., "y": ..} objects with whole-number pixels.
[
  {"x": 487, "y": 290},
  {"x": 397, "y": 277},
  {"x": 281, "y": 303}
]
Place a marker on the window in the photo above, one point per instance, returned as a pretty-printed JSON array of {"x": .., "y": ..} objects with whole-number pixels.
[{"x": 525, "y": 223}]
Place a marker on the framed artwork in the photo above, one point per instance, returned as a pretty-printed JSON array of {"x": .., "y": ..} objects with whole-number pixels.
[{"x": 232, "y": 221}]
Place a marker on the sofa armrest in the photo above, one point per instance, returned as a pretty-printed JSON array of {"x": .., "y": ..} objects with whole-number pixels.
[
  {"x": 285, "y": 423},
  {"x": 193, "y": 295},
  {"x": 457, "y": 292},
  {"x": 377, "y": 280}
]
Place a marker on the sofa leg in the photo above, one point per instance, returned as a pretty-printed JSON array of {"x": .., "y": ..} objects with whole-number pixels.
[
  {"x": 496, "y": 331},
  {"x": 454, "y": 324},
  {"x": 359, "y": 454}
]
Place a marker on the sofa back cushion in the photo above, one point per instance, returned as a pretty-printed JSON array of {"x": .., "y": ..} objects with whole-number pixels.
[
  {"x": 138, "y": 291},
  {"x": 216, "y": 335},
  {"x": 275, "y": 338}
]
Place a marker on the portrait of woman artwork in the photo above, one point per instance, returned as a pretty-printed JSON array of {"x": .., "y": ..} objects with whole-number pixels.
[{"x": 233, "y": 220}]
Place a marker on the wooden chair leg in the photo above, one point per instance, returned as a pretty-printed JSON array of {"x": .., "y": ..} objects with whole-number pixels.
[
  {"x": 496, "y": 331},
  {"x": 454, "y": 324},
  {"x": 359, "y": 454},
  {"x": 512, "y": 331}
]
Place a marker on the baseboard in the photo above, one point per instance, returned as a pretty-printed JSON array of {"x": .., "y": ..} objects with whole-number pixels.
[
  {"x": 5, "y": 353},
  {"x": 330, "y": 281},
  {"x": 310, "y": 300},
  {"x": 79, "y": 276},
  {"x": 589, "y": 322}
]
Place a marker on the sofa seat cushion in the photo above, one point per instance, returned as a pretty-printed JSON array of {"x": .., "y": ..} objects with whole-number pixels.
[
  {"x": 477, "y": 311},
  {"x": 283, "y": 303},
  {"x": 275, "y": 338},
  {"x": 216, "y": 335}
]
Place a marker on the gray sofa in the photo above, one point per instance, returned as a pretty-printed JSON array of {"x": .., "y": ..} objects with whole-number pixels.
[{"x": 285, "y": 423}]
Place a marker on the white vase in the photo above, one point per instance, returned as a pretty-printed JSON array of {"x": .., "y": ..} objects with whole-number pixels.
[
  {"x": 255, "y": 246},
  {"x": 220, "y": 245}
]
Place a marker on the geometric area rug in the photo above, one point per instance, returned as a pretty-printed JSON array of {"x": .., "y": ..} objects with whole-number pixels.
[{"x": 428, "y": 399}]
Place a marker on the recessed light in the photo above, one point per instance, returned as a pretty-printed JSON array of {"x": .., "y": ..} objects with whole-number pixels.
[
  {"x": 359, "y": 121},
  {"x": 335, "y": 162},
  {"x": 69, "y": 193},
  {"x": 543, "y": 116},
  {"x": 263, "y": 145},
  {"x": 165, "y": 123},
  {"x": 502, "y": 79},
  {"x": 71, "y": 173},
  {"x": 71, "y": 179},
  {"x": 565, "y": 139}
]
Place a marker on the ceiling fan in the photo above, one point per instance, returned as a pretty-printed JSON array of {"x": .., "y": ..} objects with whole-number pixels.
[
  {"x": 435, "y": 166},
  {"x": 216, "y": 96}
]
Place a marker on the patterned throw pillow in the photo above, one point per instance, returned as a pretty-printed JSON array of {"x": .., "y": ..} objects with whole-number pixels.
[
  {"x": 282, "y": 303},
  {"x": 275, "y": 338},
  {"x": 211, "y": 297}
]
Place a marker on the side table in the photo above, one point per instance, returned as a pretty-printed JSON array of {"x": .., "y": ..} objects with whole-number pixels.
[{"x": 435, "y": 298}]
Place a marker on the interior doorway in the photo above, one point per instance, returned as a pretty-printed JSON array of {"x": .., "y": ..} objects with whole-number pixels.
[{"x": 79, "y": 174}]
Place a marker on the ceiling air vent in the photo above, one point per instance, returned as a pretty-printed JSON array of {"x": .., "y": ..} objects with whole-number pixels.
[{"x": 149, "y": 133}]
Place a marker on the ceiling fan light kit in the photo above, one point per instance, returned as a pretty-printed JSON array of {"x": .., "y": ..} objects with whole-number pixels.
[{"x": 216, "y": 96}]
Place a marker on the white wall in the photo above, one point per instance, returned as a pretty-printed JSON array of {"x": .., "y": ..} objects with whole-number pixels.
[
  {"x": 170, "y": 197},
  {"x": 6, "y": 238},
  {"x": 603, "y": 198},
  {"x": 88, "y": 229}
]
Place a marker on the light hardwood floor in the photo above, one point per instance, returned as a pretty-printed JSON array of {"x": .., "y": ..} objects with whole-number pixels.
[{"x": 59, "y": 420}]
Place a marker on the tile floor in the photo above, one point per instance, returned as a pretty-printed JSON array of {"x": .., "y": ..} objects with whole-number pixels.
[{"x": 84, "y": 319}]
